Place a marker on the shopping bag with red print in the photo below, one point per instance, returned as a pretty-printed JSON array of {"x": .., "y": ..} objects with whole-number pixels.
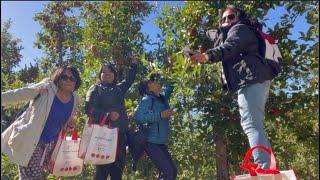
[
  {"x": 64, "y": 159},
  {"x": 85, "y": 139},
  {"x": 100, "y": 143},
  {"x": 257, "y": 173}
]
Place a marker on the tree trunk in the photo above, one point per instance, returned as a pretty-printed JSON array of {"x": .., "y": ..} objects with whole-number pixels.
[{"x": 221, "y": 157}]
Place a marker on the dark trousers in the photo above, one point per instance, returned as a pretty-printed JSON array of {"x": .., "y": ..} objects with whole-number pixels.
[
  {"x": 103, "y": 171},
  {"x": 115, "y": 169},
  {"x": 161, "y": 158}
]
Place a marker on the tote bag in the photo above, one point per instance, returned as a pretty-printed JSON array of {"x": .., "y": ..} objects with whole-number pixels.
[
  {"x": 99, "y": 143},
  {"x": 64, "y": 159},
  {"x": 257, "y": 173}
]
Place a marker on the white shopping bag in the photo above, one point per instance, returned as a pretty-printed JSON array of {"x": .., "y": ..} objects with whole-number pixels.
[
  {"x": 257, "y": 173},
  {"x": 99, "y": 144},
  {"x": 64, "y": 160},
  {"x": 85, "y": 139},
  {"x": 284, "y": 175}
]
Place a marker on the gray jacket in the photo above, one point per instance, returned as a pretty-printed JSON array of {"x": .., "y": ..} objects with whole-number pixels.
[{"x": 20, "y": 139}]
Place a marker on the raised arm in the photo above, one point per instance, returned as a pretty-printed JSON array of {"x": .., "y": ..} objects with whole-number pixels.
[
  {"x": 126, "y": 84},
  {"x": 24, "y": 94},
  {"x": 168, "y": 90}
]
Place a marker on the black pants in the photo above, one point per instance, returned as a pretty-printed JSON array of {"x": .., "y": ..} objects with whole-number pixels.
[
  {"x": 161, "y": 158},
  {"x": 115, "y": 169}
]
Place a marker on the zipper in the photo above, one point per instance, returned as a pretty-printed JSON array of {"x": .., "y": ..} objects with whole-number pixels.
[{"x": 158, "y": 128}]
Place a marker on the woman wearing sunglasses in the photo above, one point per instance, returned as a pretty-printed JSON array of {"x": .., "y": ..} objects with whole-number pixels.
[
  {"x": 154, "y": 110},
  {"x": 107, "y": 97},
  {"x": 29, "y": 141},
  {"x": 240, "y": 49}
]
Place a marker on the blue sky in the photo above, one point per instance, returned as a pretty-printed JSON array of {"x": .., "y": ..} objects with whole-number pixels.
[{"x": 25, "y": 28}]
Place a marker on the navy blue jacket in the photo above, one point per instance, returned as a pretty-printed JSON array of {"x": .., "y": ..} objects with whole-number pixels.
[
  {"x": 105, "y": 98},
  {"x": 242, "y": 61}
]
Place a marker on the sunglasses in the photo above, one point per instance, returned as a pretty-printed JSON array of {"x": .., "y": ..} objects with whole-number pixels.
[
  {"x": 230, "y": 17},
  {"x": 65, "y": 78}
]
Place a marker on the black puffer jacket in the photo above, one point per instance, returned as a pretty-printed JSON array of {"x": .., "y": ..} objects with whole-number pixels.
[
  {"x": 242, "y": 61},
  {"x": 105, "y": 98}
]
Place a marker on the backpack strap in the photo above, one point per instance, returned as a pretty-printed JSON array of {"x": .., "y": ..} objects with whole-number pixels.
[
  {"x": 152, "y": 101},
  {"x": 262, "y": 43}
]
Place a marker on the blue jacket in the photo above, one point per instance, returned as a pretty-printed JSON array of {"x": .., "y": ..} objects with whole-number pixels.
[{"x": 157, "y": 130}]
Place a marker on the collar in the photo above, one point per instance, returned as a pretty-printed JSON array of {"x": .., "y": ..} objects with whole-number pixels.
[
  {"x": 225, "y": 29},
  {"x": 160, "y": 98},
  {"x": 107, "y": 84}
]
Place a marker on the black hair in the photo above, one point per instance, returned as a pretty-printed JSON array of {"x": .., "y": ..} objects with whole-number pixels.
[
  {"x": 154, "y": 77},
  {"x": 56, "y": 76},
  {"x": 241, "y": 14},
  {"x": 143, "y": 85},
  {"x": 245, "y": 18},
  {"x": 143, "y": 88},
  {"x": 112, "y": 69}
]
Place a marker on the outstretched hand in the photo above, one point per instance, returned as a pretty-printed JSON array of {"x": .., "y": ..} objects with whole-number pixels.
[
  {"x": 199, "y": 58},
  {"x": 166, "y": 113},
  {"x": 114, "y": 116},
  {"x": 71, "y": 124}
]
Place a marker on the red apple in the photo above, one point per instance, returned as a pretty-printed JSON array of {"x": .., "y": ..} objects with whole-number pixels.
[
  {"x": 223, "y": 110},
  {"x": 276, "y": 111},
  {"x": 232, "y": 118},
  {"x": 77, "y": 4},
  {"x": 192, "y": 32},
  {"x": 204, "y": 26},
  {"x": 120, "y": 62}
]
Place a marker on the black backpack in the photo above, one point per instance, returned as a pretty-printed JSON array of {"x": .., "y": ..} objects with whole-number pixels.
[{"x": 137, "y": 140}]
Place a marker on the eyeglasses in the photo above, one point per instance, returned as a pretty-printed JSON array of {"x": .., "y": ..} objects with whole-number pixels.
[
  {"x": 230, "y": 17},
  {"x": 65, "y": 78}
]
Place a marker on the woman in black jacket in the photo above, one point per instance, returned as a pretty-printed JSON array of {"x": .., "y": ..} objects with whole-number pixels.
[
  {"x": 245, "y": 70},
  {"x": 107, "y": 96}
]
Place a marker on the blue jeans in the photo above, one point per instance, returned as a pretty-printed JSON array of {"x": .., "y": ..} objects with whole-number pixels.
[
  {"x": 252, "y": 100},
  {"x": 161, "y": 158}
]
